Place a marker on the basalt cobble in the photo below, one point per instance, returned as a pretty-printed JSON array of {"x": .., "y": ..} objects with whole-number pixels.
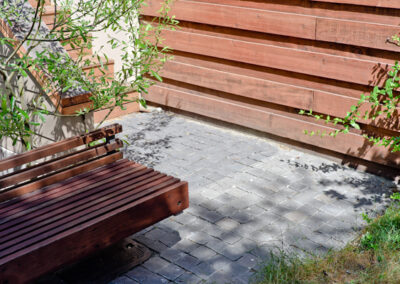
[{"x": 249, "y": 196}]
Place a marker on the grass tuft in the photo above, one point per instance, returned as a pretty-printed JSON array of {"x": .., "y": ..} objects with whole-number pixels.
[{"x": 374, "y": 257}]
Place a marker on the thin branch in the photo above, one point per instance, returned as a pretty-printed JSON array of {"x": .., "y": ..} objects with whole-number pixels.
[
  {"x": 55, "y": 13},
  {"x": 105, "y": 117}
]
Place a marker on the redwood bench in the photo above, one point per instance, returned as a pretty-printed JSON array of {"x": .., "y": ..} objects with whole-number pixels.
[{"x": 71, "y": 199}]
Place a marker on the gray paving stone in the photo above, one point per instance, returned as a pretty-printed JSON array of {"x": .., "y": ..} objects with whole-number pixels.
[
  {"x": 226, "y": 210},
  {"x": 228, "y": 224},
  {"x": 199, "y": 225},
  {"x": 246, "y": 161},
  {"x": 265, "y": 235},
  {"x": 273, "y": 199},
  {"x": 306, "y": 197},
  {"x": 234, "y": 270},
  {"x": 123, "y": 280},
  {"x": 268, "y": 151},
  {"x": 237, "y": 250},
  {"x": 172, "y": 254},
  {"x": 230, "y": 237},
  {"x": 216, "y": 244},
  {"x": 323, "y": 197},
  {"x": 268, "y": 203},
  {"x": 247, "y": 229},
  {"x": 170, "y": 239},
  {"x": 242, "y": 216},
  {"x": 202, "y": 270},
  {"x": 331, "y": 209},
  {"x": 313, "y": 222},
  {"x": 289, "y": 205},
  {"x": 143, "y": 275},
  {"x": 264, "y": 251},
  {"x": 220, "y": 277},
  {"x": 200, "y": 238},
  {"x": 155, "y": 234},
  {"x": 155, "y": 263},
  {"x": 220, "y": 262},
  {"x": 226, "y": 198},
  {"x": 267, "y": 217},
  {"x": 187, "y": 230},
  {"x": 203, "y": 253},
  {"x": 248, "y": 196},
  {"x": 171, "y": 225},
  {"x": 254, "y": 210},
  {"x": 154, "y": 245},
  {"x": 186, "y": 245},
  {"x": 188, "y": 278},
  {"x": 214, "y": 231},
  {"x": 296, "y": 216},
  {"x": 248, "y": 260},
  {"x": 259, "y": 173},
  {"x": 145, "y": 230},
  {"x": 299, "y": 186},
  {"x": 244, "y": 278},
  {"x": 184, "y": 218},
  {"x": 171, "y": 271},
  {"x": 211, "y": 216},
  {"x": 209, "y": 193},
  {"x": 187, "y": 262},
  {"x": 344, "y": 233},
  {"x": 311, "y": 248}
]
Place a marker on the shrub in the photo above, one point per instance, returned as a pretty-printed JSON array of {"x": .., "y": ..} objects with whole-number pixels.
[{"x": 36, "y": 49}]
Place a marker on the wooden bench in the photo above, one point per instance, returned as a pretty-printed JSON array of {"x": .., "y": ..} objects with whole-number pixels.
[{"x": 71, "y": 199}]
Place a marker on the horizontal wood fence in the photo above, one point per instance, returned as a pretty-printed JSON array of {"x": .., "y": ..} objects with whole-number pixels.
[{"x": 256, "y": 63}]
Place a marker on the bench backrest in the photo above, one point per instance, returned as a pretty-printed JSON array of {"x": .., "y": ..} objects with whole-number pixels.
[{"x": 58, "y": 161}]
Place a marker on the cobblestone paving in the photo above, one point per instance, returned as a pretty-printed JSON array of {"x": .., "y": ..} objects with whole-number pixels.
[{"x": 248, "y": 196}]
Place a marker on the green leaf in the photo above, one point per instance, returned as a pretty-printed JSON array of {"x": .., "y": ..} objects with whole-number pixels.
[
  {"x": 143, "y": 102},
  {"x": 155, "y": 74},
  {"x": 4, "y": 104},
  {"x": 24, "y": 114},
  {"x": 355, "y": 125},
  {"x": 23, "y": 73}
]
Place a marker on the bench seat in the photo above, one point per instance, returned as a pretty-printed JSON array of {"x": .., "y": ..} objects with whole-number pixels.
[{"x": 46, "y": 228}]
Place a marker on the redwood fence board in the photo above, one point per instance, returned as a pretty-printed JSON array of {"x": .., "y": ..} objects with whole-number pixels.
[
  {"x": 371, "y": 14},
  {"x": 357, "y": 33},
  {"x": 275, "y": 22},
  {"x": 257, "y": 63},
  {"x": 312, "y": 27},
  {"x": 372, "y": 3}
]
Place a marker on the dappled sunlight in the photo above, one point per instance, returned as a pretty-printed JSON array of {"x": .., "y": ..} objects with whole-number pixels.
[{"x": 249, "y": 196}]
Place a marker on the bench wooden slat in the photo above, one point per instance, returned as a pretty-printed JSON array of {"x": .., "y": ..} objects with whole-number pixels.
[
  {"x": 62, "y": 219},
  {"x": 70, "y": 194},
  {"x": 67, "y": 144},
  {"x": 6, "y": 205},
  {"x": 149, "y": 188},
  {"x": 57, "y": 221},
  {"x": 59, "y": 163},
  {"x": 59, "y": 216},
  {"x": 59, "y": 176},
  {"x": 46, "y": 209},
  {"x": 45, "y": 163},
  {"x": 98, "y": 233}
]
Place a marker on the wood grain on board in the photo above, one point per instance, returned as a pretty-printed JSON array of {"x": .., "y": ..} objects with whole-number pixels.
[{"x": 256, "y": 63}]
